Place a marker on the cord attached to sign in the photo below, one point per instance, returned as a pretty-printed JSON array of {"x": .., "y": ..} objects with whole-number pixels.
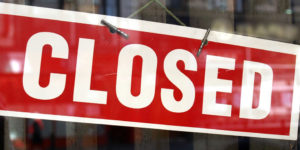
[
  {"x": 203, "y": 42},
  {"x": 114, "y": 29}
]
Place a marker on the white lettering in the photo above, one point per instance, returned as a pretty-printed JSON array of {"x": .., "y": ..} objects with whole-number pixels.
[
  {"x": 264, "y": 106},
  {"x": 212, "y": 84},
  {"x": 82, "y": 91},
  {"x": 124, "y": 76},
  {"x": 32, "y": 65},
  {"x": 180, "y": 80}
]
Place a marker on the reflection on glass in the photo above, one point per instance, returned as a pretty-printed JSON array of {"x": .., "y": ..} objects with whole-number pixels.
[{"x": 270, "y": 19}]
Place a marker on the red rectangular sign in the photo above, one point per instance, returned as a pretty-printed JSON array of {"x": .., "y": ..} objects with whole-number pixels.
[{"x": 63, "y": 65}]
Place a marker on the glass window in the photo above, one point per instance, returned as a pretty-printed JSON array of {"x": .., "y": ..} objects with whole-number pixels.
[{"x": 276, "y": 20}]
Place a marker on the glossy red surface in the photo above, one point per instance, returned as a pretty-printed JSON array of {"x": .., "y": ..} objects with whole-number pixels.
[{"x": 15, "y": 32}]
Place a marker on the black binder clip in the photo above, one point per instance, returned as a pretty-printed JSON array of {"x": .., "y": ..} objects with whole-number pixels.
[
  {"x": 114, "y": 29},
  {"x": 203, "y": 42}
]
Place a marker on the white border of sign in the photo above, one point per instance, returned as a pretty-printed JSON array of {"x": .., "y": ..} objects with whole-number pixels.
[{"x": 160, "y": 28}]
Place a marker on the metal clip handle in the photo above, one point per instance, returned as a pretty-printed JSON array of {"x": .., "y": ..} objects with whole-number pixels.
[
  {"x": 114, "y": 29},
  {"x": 203, "y": 42}
]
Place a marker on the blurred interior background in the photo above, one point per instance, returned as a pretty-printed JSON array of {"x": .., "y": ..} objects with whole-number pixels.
[{"x": 268, "y": 19}]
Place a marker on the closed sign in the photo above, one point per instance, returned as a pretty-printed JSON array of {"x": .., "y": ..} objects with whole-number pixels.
[{"x": 63, "y": 65}]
